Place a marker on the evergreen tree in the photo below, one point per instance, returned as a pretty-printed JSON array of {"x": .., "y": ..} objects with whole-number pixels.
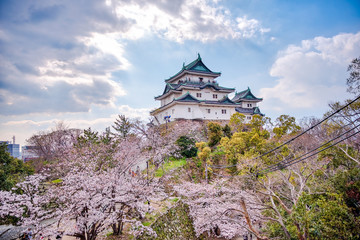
[
  {"x": 11, "y": 169},
  {"x": 122, "y": 126}
]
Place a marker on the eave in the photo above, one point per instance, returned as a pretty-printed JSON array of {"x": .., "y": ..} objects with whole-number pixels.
[
  {"x": 197, "y": 73},
  {"x": 172, "y": 91}
]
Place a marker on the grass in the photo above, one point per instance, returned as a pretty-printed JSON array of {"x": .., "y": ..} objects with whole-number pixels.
[
  {"x": 146, "y": 224},
  {"x": 169, "y": 165},
  {"x": 174, "y": 199},
  {"x": 57, "y": 180}
]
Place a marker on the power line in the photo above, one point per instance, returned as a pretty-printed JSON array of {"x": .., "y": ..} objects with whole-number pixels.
[
  {"x": 297, "y": 136},
  {"x": 292, "y": 162},
  {"x": 326, "y": 118},
  {"x": 286, "y": 161}
]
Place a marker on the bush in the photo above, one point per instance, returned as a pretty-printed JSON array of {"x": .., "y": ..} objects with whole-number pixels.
[{"x": 187, "y": 146}]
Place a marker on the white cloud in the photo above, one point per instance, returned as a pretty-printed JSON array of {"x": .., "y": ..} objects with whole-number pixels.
[
  {"x": 107, "y": 44},
  {"x": 181, "y": 20},
  {"x": 312, "y": 74},
  {"x": 60, "y": 57},
  {"x": 140, "y": 113},
  {"x": 250, "y": 27}
]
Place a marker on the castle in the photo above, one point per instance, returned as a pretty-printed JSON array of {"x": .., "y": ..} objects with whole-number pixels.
[{"x": 193, "y": 93}]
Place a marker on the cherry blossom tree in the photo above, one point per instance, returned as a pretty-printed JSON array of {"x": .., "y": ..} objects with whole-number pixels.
[
  {"x": 95, "y": 192},
  {"x": 28, "y": 202},
  {"x": 98, "y": 192},
  {"x": 159, "y": 142},
  {"x": 221, "y": 209},
  {"x": 53, "y": 145}
]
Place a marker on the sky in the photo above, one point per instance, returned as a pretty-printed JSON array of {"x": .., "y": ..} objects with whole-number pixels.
[{"x": 84, "y": 62}]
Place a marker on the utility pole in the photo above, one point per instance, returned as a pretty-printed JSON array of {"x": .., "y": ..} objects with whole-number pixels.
[
  {"x": 147, "y": 172},
  {"x": 206, "y": 173}
]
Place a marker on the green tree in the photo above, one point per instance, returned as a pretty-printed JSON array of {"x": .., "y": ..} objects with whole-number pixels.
[
  {"x": 187, "y": 146},
  {"x": 89, "y": 137},
  {"x": 237, "y": 122},
  {"x": 325, "y": 216},
  {"x": 106, "y": 137},
  {"x": 12, "y": 170},
  {"x": 285, "y": 125},
  {"x": 122, "y": 126},
  {"x": 227, "y": 131},
  {"x": 243, "y": 146},
  {"x": 215, "y": 133}
]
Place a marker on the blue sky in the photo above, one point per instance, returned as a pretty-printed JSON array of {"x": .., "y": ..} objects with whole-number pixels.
[{"x": 84, "y": 62}]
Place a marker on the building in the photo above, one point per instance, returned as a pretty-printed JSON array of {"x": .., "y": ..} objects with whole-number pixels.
[
  {"x": 13, "y": 149},
  {"x": 194, "y": 93}
]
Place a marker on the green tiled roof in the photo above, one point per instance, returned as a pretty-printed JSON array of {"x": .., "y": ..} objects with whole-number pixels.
[
  {"x": 245, "y": 95},
  {"x": 199, "y": 85},
  {"x": 226, "y": 100},
  {"x": 257, "y": 111},
  {"x": 196, "y": 66},
  {"x": 251, "y": 111},
  {"x": 187, "y": 97}
]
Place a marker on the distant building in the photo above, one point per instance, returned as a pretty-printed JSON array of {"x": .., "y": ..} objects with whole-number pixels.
[
  {"x": 193, "y": 93},
  {"x": 13, "y": 149},
  {"x": 28, "y": 153}
]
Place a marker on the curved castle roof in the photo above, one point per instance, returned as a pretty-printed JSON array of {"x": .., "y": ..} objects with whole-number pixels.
[{"x": 196, "y": 66}]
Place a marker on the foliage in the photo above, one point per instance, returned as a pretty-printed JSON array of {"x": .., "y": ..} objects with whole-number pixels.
[
  {"x": 325, "y": 217},
  {"x": 204, "y": 151},
  {"x": 12, "y": 170},
  {"x": 88, "y": 137},
  {"x": 353, "y": 81},
  {"x": 122, "y": 126},
  {"x": 88, "y": 181},
  {"x": 347, "y": 183},
  {"x": 187, "y": 146},
  {"x": 28, "y": 203},
  {"x": 243, "y": 146},
  {"x": 237, "y": 122},
  {"x": 215, "y": 133},
  {"x": 227, "y": 131},
  {"x": 285, "y": 125},
  {"x": 95, "y": 194},
  {"x": 218, "y": 206}
]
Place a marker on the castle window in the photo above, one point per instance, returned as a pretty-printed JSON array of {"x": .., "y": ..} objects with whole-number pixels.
[
  {"x": 198, "y": 95},
  {"x": 249, "y": 105},
  {"x": 201, "y": 79},
  {"x": 208, "y": 110},
  {"x": 223, "y": 111},
  {"x": 189, "y": 109},
  {"x": 214, "y": 95},
  {"x": 248, "y": 117}
]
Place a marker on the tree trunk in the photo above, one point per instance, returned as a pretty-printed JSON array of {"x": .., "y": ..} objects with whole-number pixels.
[{"x": 248, "y": 221}]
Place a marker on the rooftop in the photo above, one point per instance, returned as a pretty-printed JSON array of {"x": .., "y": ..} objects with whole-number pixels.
[
  {"x": 199, "y": 85},
  {"x": 196, "y": 66},
  {"x": 245, "y": 95},
  {"x": 252, "y": 111}
]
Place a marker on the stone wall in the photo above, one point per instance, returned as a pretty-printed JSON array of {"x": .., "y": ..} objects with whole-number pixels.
[{"x": 175, "y": 224}]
